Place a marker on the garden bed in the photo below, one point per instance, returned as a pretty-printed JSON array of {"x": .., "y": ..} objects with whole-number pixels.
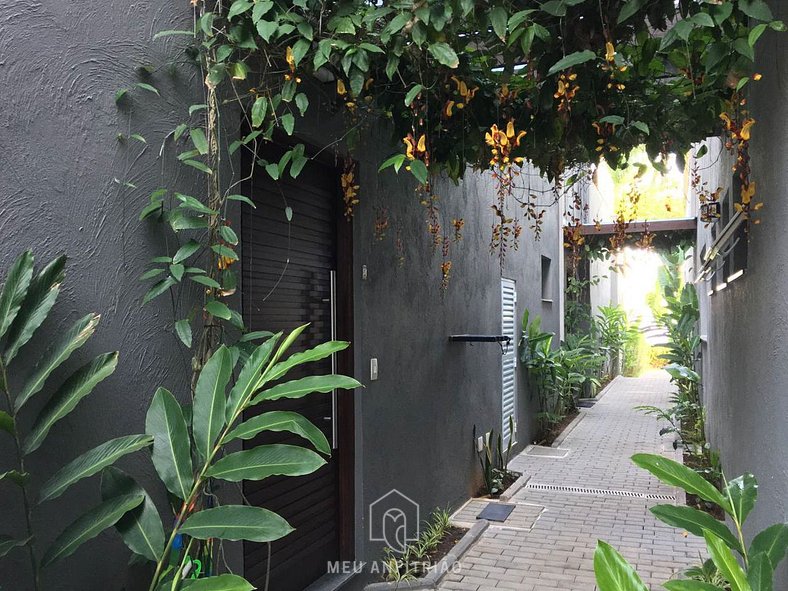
[
  {"x": 691, "y": 461},
  {"x": 508, "y": 480},
  {"x": 556, "y": 429}
]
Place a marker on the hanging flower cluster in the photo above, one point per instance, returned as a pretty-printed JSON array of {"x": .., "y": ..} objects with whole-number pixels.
[
  {"x": 566, "y": 90},
  {"x": 738, "y": 129},
  {"x": 349, "y": 186},
  {"x": 461, "y": 97}
]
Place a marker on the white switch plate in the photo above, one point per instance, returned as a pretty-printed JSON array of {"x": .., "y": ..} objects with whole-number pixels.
[
  {"x": 480, "y": 443},
  {"x": 373, "y": 369}
]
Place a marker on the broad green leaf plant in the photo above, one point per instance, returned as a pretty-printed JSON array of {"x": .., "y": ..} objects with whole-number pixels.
[
  {"x": 189, "y": 454},
  {"x": 734, "y": 565},
  {"x": 26, "y": 300}
]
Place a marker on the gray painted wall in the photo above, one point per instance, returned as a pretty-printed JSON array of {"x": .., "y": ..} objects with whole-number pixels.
[
  {"x": 60, "y": 65},
  {"x": 744, "y": 366},
  {"x": 417, "y": 420}
]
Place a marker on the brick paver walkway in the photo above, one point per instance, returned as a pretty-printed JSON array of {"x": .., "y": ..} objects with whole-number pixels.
[{"x": 548, "y": 543}]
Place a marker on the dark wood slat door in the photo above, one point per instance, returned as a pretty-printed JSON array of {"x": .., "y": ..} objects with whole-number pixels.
[{"x": 287, "y": 282}]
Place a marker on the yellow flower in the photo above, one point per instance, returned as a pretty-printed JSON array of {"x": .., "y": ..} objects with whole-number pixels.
[
  {"x": 757, "y": 77},
  {"x": 410, "y": 146},
  {"x": 422, "y": 145},
  {"x": 745, "y": 129},
  {"x": 290, "y": 58},
  {"x": 610, "y": 52},
  {"x": 510, "y": 129},
  {"x": 747, "y": 193},
  {"x": 448, "y": 109},
  {"x": 726, "y": 119},
  {"x": 341, "y": 90}
]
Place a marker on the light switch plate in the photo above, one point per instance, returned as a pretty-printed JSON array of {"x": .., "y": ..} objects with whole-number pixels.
[
  {"x": 373, "y": 368},
  {"x": 480, "y": 443}
]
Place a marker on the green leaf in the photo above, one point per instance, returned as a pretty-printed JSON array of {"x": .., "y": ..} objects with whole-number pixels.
[
  {"x": 573, "y": 59},
  {"x": 444, "y": 54},
  {"x": 171, "y": 449},
  {"x": 630, "y": 9},
  {"x": 302, "y": 102},
  {"x": 177, "y": 271},
  {"x": 242, "y": 199},
  {"x": 197, "y": 107},
  {"x": 499, "y": 19},
  {"x": 201, "y": 166},
  {"x": 207, "y": 281},
  {"x": 742, "y": 492},
  {"x": 184, "y": 330},
  {"x": 255, "y": 335},
  {"x": 315, "y": 354},
  {"x": 90, "y": 525},
  {"x": 218, "y": 309},
  {"x": 250, "y": 374},
  {"x": 15, "y": 476},
  {"x": 219, "y": 583},
  {"x": 773, "y": 542},
  {"x": 688, "y": 585},
  {"x": 193, "y": 204},
  {"x": 259, "y": 109},
  {"x": 613, "y": 572},
  {"x": 158, "y": 288},
  {"x": 228, "y": 235},
  {"x": 14, "y": 289},
  {"x": 419, "y": 170},
  {"x": 264, "y": 461},
  {"x": 279, "y": 420},
  {"x": 288, "y": 123},
  {"x": 79, "y": 333},
  {"x": 395, "y": 161},
  {"x": 224, "y": 251},
  {"x": 172, "y": 32},
  {"x": 91, "y": 462},
  {"x": 7, "y": 544},
  {"x": 199, "y": 140},
  {"x": 41, "y": 296},
  {"x": 641, "y": 126},
  {"x": 185, "y": 251},
  {"x": 726, "y": 563},
  {"x": 303, "y": 386},
  {"x": 147, "y": 87},
  {"x": 238, "y": 7},
  {"x": 695, "y": 521},
  {"x": 236, "y": 522},
  {"x": 742, "y": 47},
  {"x": 140, "y": 528},
  {"x": 412, "y": 94},
  {"x": 614, "y": 119},
  {"x": 7, "y": 422},
  {"x": 675, "y": 474},
  {"x": 555, "y": 7},
  {"x": 210, "y": 401},
  {"x": 760, "y": 573},
  {"x": 757, "y": 9},
  {"x": 75, "y": 388}
]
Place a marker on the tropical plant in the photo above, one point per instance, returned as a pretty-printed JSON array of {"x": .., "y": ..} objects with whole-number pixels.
[
  {"x": 419, "y": 556},
  {"x": 614, "y": 331},
  {"x": 739, "y": 566},
  {"x": 494, "y": 460},
  {"x": 189, "y": 451},
  {"x": 27, "y": 298}
]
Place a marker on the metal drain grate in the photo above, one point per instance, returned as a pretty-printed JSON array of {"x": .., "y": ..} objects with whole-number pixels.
[{"x": 597, "y": 491}]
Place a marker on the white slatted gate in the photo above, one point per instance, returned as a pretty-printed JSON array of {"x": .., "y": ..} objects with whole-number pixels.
[{"x": 509, "y": 375}]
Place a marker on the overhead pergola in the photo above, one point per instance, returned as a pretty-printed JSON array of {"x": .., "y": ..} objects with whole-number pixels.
[{"x": 667, "y": 233}]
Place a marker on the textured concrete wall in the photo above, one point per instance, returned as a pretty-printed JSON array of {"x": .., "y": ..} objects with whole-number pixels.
[
  {"x": 416, "y": 421},
  {"x": 60, "y": 65},
  {"x": 744, "y": 368}
]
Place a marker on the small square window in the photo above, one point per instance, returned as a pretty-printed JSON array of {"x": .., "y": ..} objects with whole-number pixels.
[{"x": 547, "y": 280}]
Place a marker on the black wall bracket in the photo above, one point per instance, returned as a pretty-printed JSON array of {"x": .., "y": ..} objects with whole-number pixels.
[{"x": 502, "y": 340}]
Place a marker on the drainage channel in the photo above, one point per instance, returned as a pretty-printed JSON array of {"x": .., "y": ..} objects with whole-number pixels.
[{"x": 597, "y": 492}]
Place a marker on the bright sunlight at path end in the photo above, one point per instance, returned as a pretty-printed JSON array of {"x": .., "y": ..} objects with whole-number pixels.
[{"x": 556, "y": 553}]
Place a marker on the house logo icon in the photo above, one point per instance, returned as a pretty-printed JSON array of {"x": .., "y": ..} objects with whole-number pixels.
[{"x": 394, "y": 519}]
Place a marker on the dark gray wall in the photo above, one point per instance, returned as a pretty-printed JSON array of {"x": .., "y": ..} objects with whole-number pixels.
[
  {"x": 416, "y": 422},
  {"x": 60, "y": 65},
  {"x": 745, "y": 366}
]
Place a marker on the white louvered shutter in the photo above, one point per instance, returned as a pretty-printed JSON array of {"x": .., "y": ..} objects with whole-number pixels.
[{"x": 508, "y": 324}]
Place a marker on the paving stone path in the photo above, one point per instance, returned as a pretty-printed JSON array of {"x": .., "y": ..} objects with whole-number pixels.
[{"x": 548, "y": 542}]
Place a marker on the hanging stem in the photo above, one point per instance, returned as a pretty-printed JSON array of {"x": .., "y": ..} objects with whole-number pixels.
[{"x": 22, "y": 484}]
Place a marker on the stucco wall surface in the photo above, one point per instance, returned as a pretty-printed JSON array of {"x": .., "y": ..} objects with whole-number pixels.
[{"x": 745, "y": 367}]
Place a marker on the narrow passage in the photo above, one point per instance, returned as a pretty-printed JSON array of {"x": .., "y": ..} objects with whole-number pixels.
[{"x": 589, "y": 490}]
